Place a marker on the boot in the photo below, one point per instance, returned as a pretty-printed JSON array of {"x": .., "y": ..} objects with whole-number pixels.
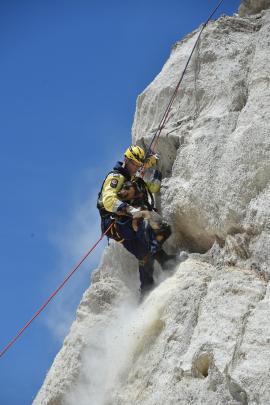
[{"x": 168, "y": 262}]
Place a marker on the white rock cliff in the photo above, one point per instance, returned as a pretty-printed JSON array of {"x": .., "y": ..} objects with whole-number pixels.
[{"x": 203, "y": 335}]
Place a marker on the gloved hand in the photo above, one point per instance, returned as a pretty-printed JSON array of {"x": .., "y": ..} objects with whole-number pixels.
[
  {"x": 145, "y": 214},
  {"x": 151, "y": 160},
  {"x": 157, "y": 175},
  {"x": 136, "y": 213}
]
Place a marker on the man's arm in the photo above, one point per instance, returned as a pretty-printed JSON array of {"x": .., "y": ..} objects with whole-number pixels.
[
  {"x": 154, "y": 184},
  {"x": 111, "y": 186}
]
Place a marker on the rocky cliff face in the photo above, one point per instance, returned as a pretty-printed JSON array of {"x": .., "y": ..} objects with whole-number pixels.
[
  {"x": 203, "y": 335},
  {"x": 249, "y": 7},
  {"x": 215, "y": 149}
]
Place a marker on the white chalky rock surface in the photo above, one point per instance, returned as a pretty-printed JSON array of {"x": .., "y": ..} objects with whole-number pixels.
[
  {"x": 215, "y": 149},
  {"x": 249, "y": 7},
  {"x": 203, "y": 335}
]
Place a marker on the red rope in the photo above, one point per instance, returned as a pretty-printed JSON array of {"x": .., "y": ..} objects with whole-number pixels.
[{"x": 54, "y": 293}]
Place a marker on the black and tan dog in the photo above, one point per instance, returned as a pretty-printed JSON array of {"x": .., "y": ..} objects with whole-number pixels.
[{"x": 135, "y": 193}]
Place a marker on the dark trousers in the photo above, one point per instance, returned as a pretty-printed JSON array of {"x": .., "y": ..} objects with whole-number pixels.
[{"x": 138, "y": 243}]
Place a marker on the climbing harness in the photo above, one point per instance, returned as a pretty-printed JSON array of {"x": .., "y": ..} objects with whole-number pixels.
[{"x": 152, "y": 147}]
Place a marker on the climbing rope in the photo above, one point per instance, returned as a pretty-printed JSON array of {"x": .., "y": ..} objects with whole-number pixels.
[
  {"x": 54, "y": 293},
  {"x": 164, "y": 119}
]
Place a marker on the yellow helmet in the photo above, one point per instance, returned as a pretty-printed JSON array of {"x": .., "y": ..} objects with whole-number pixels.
[{"x": 135, "y": 153}]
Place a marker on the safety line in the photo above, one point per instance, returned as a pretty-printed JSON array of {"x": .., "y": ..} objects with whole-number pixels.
[
  {"x": 54, "y": 293},
  {"x": 164, "y": 118}
]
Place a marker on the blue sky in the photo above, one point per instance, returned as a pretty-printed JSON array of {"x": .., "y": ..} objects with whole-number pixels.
[{"x": 70, "y": 75}]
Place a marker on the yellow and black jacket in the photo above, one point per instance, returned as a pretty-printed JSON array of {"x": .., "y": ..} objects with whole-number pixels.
[{"x": 109, "y": 202}]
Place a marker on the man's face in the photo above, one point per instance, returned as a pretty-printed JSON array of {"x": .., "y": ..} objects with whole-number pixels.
[{"x": 132, "y": 166}]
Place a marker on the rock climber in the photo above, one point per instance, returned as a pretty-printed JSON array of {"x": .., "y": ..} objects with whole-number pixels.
[{"x": 126, "y": 201}]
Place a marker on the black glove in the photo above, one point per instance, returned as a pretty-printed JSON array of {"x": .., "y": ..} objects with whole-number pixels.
[{"x": 157, "y": 175}]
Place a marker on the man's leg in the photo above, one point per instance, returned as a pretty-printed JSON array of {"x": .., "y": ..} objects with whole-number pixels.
[
  {"x": 166, "y": 261},
  {"x": 137, "y": 244},
  {"x": 157, "y": 237},
  {"x": 146, "y": 262},
  {"x": 146, "y": 269}
]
